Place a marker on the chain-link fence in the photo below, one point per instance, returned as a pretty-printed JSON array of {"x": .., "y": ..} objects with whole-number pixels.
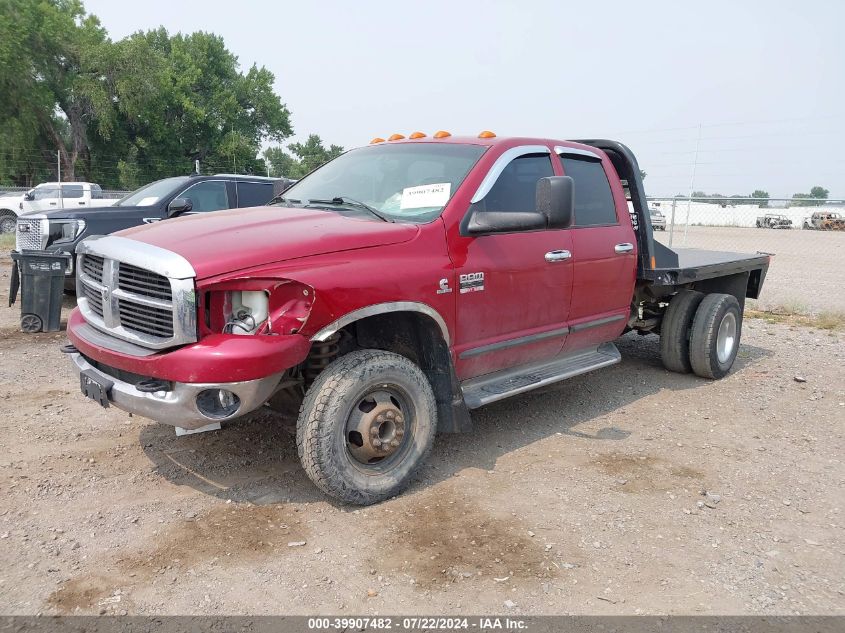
[{"x": 807, "y": 242}]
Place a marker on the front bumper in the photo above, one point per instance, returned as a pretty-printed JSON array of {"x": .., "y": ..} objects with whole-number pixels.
[{"x": 178, "y": 405}]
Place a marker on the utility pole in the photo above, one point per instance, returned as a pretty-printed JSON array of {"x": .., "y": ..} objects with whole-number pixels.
[
  {"x": 197, "y": 166},
  {"x": 692, "y": 182}
]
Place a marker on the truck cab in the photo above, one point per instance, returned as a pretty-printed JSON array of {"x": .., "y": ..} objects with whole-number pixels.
[
  {"x": 393, "y": 290},
  {"x": 58, "y": 195}
]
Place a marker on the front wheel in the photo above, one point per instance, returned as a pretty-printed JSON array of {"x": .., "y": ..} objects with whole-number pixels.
[
  {"x": 8, "y": 222},
  {"x": 715, "y": 334},
  {"x": 366, "y": 426}
]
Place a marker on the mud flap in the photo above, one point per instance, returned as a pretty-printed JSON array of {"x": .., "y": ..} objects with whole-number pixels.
[{"x": 14, "y": 284}]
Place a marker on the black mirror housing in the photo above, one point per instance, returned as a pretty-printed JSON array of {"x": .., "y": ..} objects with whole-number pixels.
[
  {"x": 179, "y": 205},
  {"x": 555, "y": 199},
  {"x": 484, "y": 222}
]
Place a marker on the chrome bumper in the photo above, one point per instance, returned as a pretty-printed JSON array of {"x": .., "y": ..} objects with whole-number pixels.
[{"x": 178, "y": 406}]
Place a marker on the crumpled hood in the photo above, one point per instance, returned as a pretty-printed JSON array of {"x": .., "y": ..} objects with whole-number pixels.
[{"x": 227, "y": 241}]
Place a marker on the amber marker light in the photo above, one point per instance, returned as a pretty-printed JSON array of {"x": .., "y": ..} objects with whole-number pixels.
[
  {"x": 395, "y": 137},
  {"x": 417, "y": 135},
  {"x": 377, "y": 139},
  {"x": 441, "y": 134},
  {"x": 487, "y": 134}
]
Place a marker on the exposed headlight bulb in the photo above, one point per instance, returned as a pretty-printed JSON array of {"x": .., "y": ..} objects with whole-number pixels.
[{"x": 250, "y": 309}]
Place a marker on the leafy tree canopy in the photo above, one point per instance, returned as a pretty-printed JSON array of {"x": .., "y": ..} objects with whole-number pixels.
[
  {"x": 306, "y": 157},
  {"x": 124, "y": 113}
]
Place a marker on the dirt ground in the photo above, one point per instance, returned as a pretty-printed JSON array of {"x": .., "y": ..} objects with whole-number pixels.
[
  {"x": 806, "y": 273},
  {"x": 630, "y": 490}
]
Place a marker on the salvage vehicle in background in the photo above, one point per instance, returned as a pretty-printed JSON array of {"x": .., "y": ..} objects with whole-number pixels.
[
  {"x": 824, "y": 221},
  {"x": 62, "y": 229},
  {"x": 658, "y": 220},
  {"x": 773, "y": 221},
  {"x": 55, "y": 195},
  {"x": 394, "y": 289}
]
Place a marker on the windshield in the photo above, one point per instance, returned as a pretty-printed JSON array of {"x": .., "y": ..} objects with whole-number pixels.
[
  {"x": 406, "y": 182},
  {"x": 149, "y": 194}
]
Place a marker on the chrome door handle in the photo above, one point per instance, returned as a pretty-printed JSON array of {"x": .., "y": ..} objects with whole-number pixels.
[
  {"x": 558, "y": 256},
  {"x": 625, "y": 247}
]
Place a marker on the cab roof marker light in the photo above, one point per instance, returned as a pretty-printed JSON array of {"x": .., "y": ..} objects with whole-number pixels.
[
  {"x": 417, "y": 135},
  {"x": 442, "y": 134},
  {"x": 377, "y": 139},
  {"x": 395, "y": 137},
  {"x": 487, "y": 134}
]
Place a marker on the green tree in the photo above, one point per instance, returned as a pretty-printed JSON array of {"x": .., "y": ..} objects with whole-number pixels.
[
  {"x": 306, "y": 157},
  {"x": 815, "y": 198},
  {"x": 759, "y": 193},
  {"x": 54, "y": 97},
  {"x": 141, "y": 108},
  {"x": 819, "y": 192}
]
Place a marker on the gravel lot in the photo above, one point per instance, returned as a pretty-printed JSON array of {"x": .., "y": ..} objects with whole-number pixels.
[
  {"x": 807, "y": 270},
  {"x": 631, "y": 490}
]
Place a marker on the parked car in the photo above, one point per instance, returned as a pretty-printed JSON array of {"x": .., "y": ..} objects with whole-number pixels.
[
  {"x": 825, "y": 221},
  {"x": 61, "y": 230},
  {"x": 9, "y": 209},
  {"x": 658, "y": 220},
  {"x": 394, "y": 289},
  {"x": 773, "y": 221},
  {"x": 55, "y": 195}
]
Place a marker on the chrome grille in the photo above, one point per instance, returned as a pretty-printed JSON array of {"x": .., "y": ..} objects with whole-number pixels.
[
  {"x": 28, "y": 234},
  {"x": 93, "y": 267},
  {"x": 144, "y": 282},
  {"x": 135, "y": 302},
  {"x": 95, "y": 300}
]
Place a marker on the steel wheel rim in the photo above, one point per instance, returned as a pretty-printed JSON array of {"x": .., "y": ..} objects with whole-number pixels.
[
  {"x": 379, "y": 428},
  {"x": 726, "y": 338}
]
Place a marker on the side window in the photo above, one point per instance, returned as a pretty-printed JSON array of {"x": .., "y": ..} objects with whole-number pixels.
[
  {"x": 594, "y": 205},
  {"x": 96, "y": 192},
  {"x": 207, "y": 196},
  {"x": 72, "y": 191},
  {"x": 45, "y": 193},
  {"x": 254, "y": 194},
  {"x": 516, "y": 187}
]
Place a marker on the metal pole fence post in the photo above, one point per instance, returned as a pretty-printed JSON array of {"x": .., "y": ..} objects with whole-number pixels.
[{"x": 672, "y": 222}]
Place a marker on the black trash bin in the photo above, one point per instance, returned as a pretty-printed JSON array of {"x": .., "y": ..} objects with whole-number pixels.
[{"x": 41, "y": 278}]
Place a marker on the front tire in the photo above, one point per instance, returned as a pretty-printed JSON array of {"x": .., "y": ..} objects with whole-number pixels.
[
  {"x": 715, "y": 334},
  {"x": 675, "y": 330},
  {"x": 366, "y": 426},
  {"x": 8, "y": 222}
]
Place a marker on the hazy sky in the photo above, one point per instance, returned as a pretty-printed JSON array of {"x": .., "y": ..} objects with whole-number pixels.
[{"x": 765, "y": 80}]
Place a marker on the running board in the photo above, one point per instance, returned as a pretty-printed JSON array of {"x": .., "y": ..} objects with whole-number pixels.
[{"x": 509, "y": 382}]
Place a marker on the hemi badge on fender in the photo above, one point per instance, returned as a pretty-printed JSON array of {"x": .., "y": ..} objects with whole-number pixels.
[{"x": 471, "y": 282}]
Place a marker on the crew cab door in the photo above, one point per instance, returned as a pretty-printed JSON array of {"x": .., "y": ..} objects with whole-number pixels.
[
  {"x": 604, "y": 251},
  {"x": 513, "y": 289}
]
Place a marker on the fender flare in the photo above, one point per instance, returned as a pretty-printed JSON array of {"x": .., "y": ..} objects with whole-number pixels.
[{"x": 384, "y": 308}]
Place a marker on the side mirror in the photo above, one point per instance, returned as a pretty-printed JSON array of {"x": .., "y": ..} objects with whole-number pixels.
[
  {"x": 555, "y": 200},
  {"x": 29, "y": 196},
  {"x": 179, "y": 205},
  {"x": 484, "y": 222}
]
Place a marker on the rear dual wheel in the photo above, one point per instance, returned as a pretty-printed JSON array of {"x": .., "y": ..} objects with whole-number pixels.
[{"x": 701, "y": 333}]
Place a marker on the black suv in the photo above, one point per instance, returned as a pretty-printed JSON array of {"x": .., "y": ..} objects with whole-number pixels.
[{"x": 62, "y": 229}]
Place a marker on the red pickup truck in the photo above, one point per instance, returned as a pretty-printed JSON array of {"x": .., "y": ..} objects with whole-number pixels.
[{"x": 394, "y": 289}]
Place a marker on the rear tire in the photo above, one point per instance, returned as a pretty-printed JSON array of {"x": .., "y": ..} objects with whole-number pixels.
[
  {"x": 366, "y": 426},
  {"x": 675, "y": 331},
  {"x": 715, "y": 334}
]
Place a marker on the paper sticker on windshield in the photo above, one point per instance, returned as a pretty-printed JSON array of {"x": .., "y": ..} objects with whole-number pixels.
[{"x": 426, "y": 196}]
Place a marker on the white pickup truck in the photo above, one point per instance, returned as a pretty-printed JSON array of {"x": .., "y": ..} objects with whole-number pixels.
[{"x": 55, "y": 195}]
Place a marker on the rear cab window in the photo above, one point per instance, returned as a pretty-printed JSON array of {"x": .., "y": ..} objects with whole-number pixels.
[
  {"x": 594, "y": 203},
  {"x": 254, "y": 194}
]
